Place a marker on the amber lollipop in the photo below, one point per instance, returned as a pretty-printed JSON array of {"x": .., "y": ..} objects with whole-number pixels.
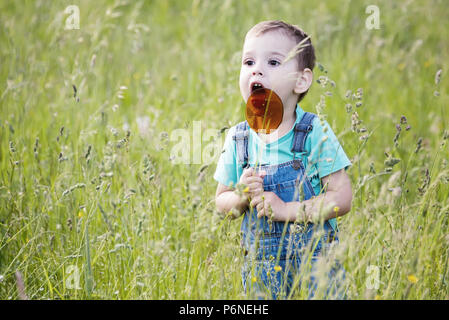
[{"x": 264, "y": 110}]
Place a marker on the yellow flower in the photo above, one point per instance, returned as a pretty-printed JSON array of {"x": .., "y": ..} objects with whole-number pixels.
[
  {"x": 336, "y": 209},
  {"x": 427, "y": 64},
  {"x": 254, "y": 279},
  {"x": 412, "y": 278},
  {"x": 277, "y": 268},
  {"x": 80, "y": 214},
  {"x": 377, "y": 297},
  {"x": 246, "y": 190}
]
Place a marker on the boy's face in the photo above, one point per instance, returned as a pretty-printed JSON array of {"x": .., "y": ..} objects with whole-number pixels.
[{"x": 262, "y": 65}]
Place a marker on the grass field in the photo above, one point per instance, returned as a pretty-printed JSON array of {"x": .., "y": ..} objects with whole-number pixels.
[{"x": 90, "y": 188}]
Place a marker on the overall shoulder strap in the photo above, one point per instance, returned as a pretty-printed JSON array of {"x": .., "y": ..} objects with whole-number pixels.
[
  {"x": 302, "y": 129},
  {"x": 241, "y": 141}
]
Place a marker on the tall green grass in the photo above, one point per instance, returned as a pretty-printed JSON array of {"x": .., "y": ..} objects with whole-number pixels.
[{"x": 88, "y": 183}]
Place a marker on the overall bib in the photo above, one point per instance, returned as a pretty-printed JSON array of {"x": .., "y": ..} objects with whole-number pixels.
[{"x": 277, "y": 252}]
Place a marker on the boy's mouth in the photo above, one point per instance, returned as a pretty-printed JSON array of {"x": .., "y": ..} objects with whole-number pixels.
[{"x": 256, "y": 85}]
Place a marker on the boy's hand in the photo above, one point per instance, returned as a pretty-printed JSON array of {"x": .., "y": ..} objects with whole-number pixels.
[
  {"x": 253, "y": 181},
  {"x": 270, "y": 205}
]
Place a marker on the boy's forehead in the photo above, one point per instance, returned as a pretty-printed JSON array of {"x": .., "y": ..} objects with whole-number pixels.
[{"x": 271, "y": 40}]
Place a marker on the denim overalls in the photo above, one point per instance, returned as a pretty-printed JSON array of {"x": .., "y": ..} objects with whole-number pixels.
[{"x": 275, "y": 251}]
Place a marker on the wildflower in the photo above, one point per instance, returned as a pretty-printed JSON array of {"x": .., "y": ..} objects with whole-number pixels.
[
  {"x": 418, "y": 145},
  {"x": 80, "y": 214},
  {"x": 11, "y": 147},
  {"x": 75, "y": 90},
  {"x": 348, "y": 107},
  {"x": 114, "y": 131},
  {"x": 355, "y": 122},
  {"x": 92, "y": 61},
  {"x": 89, "y": 148},
  {"x": 254, "y": 279},
  {"x": 336, "y": 209},
  {"x": 438, "y": 76},
  {"x": 76, "y": 186},
  {"x": 412, "y": 278},
  {"x": 36, "y": 146},
  {"x": 377, "y": 297},
  {"x": 348, "y": 94},
  {"x": 364, "y": 137},
  {"x": 390, "y": 162},
  {"x": 403, "y": 119},
  {"x": 277, "y": 268},
  {"x": 246, "y": 190}
]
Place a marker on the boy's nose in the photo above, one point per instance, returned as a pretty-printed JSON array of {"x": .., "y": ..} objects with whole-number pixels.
[{"x": 257, "y": 72}]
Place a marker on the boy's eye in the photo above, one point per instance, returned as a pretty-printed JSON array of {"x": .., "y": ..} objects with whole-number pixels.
[
  {"x": 249, "y": 62},
  {"x": 273, "y": 62}
]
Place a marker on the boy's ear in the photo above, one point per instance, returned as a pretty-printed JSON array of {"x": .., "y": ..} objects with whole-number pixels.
[{"x": 304, "y": 81}]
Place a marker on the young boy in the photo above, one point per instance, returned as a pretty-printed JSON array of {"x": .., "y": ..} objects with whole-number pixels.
[{"x": 299, "y": 184}]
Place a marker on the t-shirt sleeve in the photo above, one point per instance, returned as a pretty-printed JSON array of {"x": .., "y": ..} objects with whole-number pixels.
[
  {"x": 327, "y": 155},
  {"x": 226, "y": 171}
]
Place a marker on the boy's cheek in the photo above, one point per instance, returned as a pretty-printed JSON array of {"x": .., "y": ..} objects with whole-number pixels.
[{"x": 244, "y": 92}]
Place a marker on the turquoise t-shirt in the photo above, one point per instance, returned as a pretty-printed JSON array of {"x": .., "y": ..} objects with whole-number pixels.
[{"x": 325, "y": 154}]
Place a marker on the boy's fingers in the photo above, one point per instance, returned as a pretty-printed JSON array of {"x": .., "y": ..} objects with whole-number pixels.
[
  {"x": 248, "y": 172},
  {"x": 254, "y": 179},
  {"x": 260, "y": 210},
  {"x": 255, "y": 201},
  {"x": 245, "y": 174},
  {"x": 253, "y": 186},
  {"x": 250, "y": 176},
  {"x": 256, "y": 193},
  {"x": 255, "y": 189}
]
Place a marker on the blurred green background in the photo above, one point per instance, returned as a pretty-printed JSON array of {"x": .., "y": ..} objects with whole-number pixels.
[{"x": 90, "y": 190}]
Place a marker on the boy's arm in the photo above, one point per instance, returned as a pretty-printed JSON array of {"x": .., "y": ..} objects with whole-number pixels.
[
  {"x": 335, "y": 201},
  {"x": 226, "y": 199}
]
